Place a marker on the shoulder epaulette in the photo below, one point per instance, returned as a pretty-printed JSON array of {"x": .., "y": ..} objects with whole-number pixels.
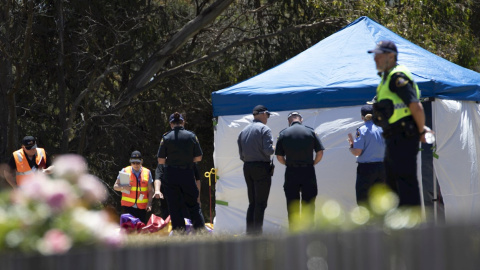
[{"x": 281, "y": 131}]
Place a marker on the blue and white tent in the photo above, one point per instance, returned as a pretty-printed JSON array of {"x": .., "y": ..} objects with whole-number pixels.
[{"x": 328, "y": 83}]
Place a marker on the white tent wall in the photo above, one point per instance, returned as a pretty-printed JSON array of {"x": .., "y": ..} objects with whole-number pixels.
[
  {"x": 336, "y": 172},
  {"x": 457, "y": 127}
]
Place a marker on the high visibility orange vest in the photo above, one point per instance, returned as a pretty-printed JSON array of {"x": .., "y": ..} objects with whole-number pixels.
[
  {"x": 23, "y": 169},
  {"x": 137, "y": 189}
]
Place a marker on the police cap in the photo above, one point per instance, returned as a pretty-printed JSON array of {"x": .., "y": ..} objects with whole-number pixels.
[
  {"x": 384, "y": 46},
  {"x": 260, "y": 109}
]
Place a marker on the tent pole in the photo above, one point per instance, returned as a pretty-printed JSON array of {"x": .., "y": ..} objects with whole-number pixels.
[{"x": 435, "y": 200}]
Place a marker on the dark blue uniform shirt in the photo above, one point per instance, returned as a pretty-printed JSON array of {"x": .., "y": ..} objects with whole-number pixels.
[
  {"x": 298, "y": 143},
  {"x": 179, "y": 146}
]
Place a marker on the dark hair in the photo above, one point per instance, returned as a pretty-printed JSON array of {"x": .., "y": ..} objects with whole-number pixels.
[{"x": 177, "y": 118}]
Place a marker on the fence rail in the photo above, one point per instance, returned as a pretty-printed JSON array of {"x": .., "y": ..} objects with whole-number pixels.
[{"x": 429, "y": 247}]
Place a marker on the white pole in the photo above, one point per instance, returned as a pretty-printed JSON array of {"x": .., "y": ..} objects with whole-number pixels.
[{"x": 435, "y": 199}]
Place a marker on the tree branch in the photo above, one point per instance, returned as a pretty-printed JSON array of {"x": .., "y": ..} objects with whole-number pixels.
[
  {"x": 158, "y": 59},
  {"x": 237, "y": 43}
]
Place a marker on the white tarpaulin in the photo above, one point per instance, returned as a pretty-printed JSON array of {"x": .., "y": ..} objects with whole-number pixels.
[
  {"x": 457, "y": 127},
  {"x": 336, "y": 173}
]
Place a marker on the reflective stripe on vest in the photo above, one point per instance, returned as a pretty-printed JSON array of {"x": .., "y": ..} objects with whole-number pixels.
[
  {"x": 141, "y": 188},
  {"x": 23, "y": 168},
  {"x": 132, "y": 200},
  {"x": 136, "y": 192},
  {"x": 401, "y": 110}
]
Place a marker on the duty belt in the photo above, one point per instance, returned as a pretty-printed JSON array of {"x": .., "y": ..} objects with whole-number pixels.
[
  {"x": 179, "y": 167},
  {"x": 299, "y": 165}
]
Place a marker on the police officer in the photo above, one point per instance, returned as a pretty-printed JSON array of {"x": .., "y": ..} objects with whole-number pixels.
[
  {"x": 369, "y": 148},
  {"x": 159, "y": 177},
  {"x": 400, "y": 114},
  {"x": 295, "y": 147},
  {"x": 179, "y": 149},
  {"x": 135, "y": 195},
  {"x": 26, "y": 161},
  {"x": 255, "y": 145}
]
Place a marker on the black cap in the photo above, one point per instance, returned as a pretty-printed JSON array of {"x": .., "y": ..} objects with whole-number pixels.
[
  {"x": 367, "y": 109},
  {"x": 260, "y": 109},
  {"x": 172, "y": 118},
  {"x": 136, "y": 156},
  {"x": 29, "y": 142},
  {"x": 294, "y": 113},
  {"x": 385, "y": 46}
]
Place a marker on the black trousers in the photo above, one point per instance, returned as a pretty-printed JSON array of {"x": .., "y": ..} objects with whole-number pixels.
[
  {"x": 138, "y": 213},
  {"x": 368, "y": 174},
  {"x": 401, "y": 167},
  {"x": 181, "y": 191},
  {"x": 258, "y": 180},
  {"x": 164, "y": 213},
  {"x": 300, "y": 180}
]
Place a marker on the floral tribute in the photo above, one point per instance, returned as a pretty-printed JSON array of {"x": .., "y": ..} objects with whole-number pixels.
[{"x": 51, "y": 214}]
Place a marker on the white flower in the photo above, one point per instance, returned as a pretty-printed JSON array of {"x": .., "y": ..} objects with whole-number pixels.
[
  {"x": 70, "y": 167},
  {"x": 92, "y": 189}
]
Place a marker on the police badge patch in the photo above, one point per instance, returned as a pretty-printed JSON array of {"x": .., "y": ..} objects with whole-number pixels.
[{"x": 401, "y": 82}]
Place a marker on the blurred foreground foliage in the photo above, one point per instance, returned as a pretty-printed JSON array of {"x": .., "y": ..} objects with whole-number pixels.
[
  {"x": 380, "y": 210},
  {"x": 52, "y": 214}
]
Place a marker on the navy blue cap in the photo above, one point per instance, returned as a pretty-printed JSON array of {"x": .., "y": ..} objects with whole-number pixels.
[
  {"x": 172, "y": 118},
  {"x": 29, "y": 142},
  {"x": 367, "y": 109},
  {"x": 136, "y": 156},
  {"x": 260, "y": 109},
  {"x": 384, "y": 46}
]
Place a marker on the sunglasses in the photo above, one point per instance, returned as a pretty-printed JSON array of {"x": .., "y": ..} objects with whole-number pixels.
[
  {"x": 265, "y": 112},
  {"x": 136, "y": 163}
]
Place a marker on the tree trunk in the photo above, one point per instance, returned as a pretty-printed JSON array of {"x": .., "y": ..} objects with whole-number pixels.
[
  {"x": 5, "y": 84},
  {"x": 12, "y": 128},
  {"x": 62, "y": 88}
]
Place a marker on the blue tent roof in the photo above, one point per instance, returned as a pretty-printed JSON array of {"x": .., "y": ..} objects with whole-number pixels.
[{"x": 338, "y": 71}]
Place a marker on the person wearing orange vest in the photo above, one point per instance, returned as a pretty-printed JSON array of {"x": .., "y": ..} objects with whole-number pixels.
[
  {"x": 135, "y": 195},
  {"x": 27, "y": 160}
]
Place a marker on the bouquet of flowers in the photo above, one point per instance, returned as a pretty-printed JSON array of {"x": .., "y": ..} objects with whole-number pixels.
[{"x": 50, "y": 214}]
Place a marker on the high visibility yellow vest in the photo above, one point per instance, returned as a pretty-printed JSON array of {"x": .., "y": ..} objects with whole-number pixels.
[
  {"x": 23, "y": 168},
  {"x": 137, "y": 189},
  {"x": 401, "y": 110}
]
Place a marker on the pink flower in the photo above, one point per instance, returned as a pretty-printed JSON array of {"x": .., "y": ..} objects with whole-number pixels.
[
  {"x": 92, "y": 188},
  {"x": 54, "y": 242},
  {"x": 60, "y": 195},
  {"x": 69, "y": 166}
]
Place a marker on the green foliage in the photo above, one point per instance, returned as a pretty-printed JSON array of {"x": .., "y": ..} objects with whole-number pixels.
[{"x": 380, "y": 210}]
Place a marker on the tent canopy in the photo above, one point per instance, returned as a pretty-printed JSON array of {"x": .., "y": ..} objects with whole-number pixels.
[{"x": 338, "y": 71}]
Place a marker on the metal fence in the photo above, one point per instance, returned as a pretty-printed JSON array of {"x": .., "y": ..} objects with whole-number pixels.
[{"x": 429, "y": 247}]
